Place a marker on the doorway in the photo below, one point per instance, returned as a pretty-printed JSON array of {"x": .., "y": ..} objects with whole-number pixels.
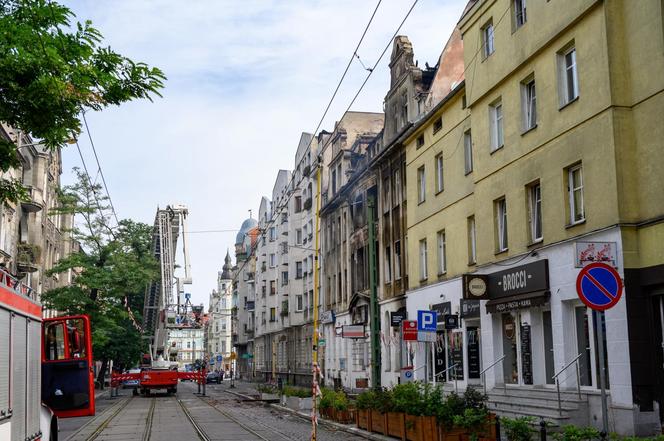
[
  {"x": 510, "y": 350},
  {"x": 548, "y": 347}
]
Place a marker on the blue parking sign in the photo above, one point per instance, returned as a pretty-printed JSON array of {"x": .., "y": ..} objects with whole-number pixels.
[
  {"x": 427, "y": 321},
  {"x": 219, "y": 358}
]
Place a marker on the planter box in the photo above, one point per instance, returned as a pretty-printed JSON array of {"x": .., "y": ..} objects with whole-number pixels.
[
  {"x": 326, "y": 412},
  {"x": 363, "y": 419},
  {"x": 421, "y": 428},
  {"x": 269, "y": 397},
  {"x": 343, "y": 416},
  {"x": 378, "y": 422},
  {"x": 488, "y": 433},
  {"x": 297, "y": 403},
  {"x": 396, "y": 425}
]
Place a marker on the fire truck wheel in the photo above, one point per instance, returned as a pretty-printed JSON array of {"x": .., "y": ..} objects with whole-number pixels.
[{"x": 134, "y": 391}]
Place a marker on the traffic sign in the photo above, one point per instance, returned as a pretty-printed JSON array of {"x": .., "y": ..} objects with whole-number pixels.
[
  {"x": 409, "y": 330},
  {"x": 407, "y": 374},
  {"x": 219, "y": 358},
  {"x": 599, "y": 286},
  {"x": 427, "y": 321}
]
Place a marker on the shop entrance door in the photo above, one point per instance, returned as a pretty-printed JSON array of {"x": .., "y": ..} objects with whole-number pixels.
[
  {"x": 510, "y": 349},
  {"x": 548, "y": 347}
]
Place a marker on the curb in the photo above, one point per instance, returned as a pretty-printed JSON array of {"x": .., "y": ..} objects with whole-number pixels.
[{"x": 331, "y": 424}]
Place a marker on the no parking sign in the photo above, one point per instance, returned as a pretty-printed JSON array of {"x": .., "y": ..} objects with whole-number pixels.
[{"x": 599, "y": 286}]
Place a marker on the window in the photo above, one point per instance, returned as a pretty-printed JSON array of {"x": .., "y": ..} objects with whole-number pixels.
[
  {"x": 298, "y": 303},
  {"x": 569, "y": 82},
  {"x": 334, "y": 181},
  {"x": 519, "y": 13},
  {"x": 273, "y": 260},
  {"x": 298, "y": 236},
  {"x": 388, "y": 264},
  {"x": 284, "y": 218},
  {"x": 298, "y": 270},
  {"x": 442, "y": 255},
  {"x": 420, "y": 141},
  {"x": 387, "y": 195},
  {"x": 273, "y": 315},
  {"x": 404, "y": 109},
  {"x": 468, "y": 151},
  {"x": 437, "y": 125},
  {"x": 284, "y": 278},
  {"x": 472, "y": 241},
  {"x": 298, "y": 204},
  {"x": 496, "y": 117},
  {"x": 423, "y": 260},
  {"x": 397, "y": 260},
  {"x": 535, "y": 212},
  {"x": 439, "y": 173},
  {"x": 397, "y": 187},
  {"x": 529, "y": 104},
  {"x": 421, "y": 185},
  {"x": 273, "y": 287},
  {"x": 575, "y": 188},
  {"x": 273, "y": 234},
  {"x": 487, "y": 40},
  {"x": 501, "y": 224}
]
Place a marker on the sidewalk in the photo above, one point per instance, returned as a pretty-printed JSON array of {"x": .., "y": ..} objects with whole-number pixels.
[{"x": 321, "y": 421}]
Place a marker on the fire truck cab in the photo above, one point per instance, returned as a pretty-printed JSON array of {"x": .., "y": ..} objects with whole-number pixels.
[{"x": 45, "y": 366}]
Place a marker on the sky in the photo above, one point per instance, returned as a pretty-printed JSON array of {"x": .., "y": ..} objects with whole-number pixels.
[{"x": 245, "y": 79}]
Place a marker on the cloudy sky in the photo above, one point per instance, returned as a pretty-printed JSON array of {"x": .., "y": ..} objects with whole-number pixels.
[{"x": 245, "y": 78}]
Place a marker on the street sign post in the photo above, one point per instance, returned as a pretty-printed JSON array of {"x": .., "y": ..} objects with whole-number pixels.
[
  {"x": 599, "y": 287},
  {"x": 219, "y": 358}
]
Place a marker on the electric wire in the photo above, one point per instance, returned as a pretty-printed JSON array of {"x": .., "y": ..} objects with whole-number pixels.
[{"x": 281, "y": 202}]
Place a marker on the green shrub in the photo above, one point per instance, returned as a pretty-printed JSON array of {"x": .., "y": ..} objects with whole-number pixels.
[
  {"x": 407, "y": 398},
  {"x": 267, "y": 389},
  {"x": 452, "y": 406},
  {"x": 341, "y": 401},
  {"x": 300, "y": 392},
  {"x": 574, "y": 433},
  {"x": 384, "y": 400},
  {"x": 366, "y": 400},
  {"x": 327, "y": 398},
  {"x": 518, "y": 429},
  {"x": 473, "y": 420}
]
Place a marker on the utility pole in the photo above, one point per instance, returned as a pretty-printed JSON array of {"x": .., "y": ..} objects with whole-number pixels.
[{"x": 373, "y": 304}]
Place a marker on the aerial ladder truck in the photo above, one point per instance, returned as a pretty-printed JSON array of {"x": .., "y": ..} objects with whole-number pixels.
[{"x": 163, "y": 308}]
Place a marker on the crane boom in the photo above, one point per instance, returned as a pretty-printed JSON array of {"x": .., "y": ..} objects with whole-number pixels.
[{"x": 162, "y": 308}]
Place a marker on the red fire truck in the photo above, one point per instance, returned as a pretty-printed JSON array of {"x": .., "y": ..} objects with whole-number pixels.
[{"x": 45, "y": 366}]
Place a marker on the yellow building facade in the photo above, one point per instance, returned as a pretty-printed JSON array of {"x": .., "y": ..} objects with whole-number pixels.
[{"x": 547, "y": 154}]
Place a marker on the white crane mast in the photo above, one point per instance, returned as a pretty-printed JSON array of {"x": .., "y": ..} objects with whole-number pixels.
[{"x": 163, "y": 309}]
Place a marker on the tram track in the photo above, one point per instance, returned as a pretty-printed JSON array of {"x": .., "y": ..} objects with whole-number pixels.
[
  {"x": 98, "y": 431},
  {"x": 147, "y": 433}
]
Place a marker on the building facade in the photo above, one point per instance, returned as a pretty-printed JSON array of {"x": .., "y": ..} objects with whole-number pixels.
[
  {"x": 33, "y": 238},
  {"x": 218, "y": 327},
  {"x": 244, "y": 297},
  {"x": 512, "y": 169}
]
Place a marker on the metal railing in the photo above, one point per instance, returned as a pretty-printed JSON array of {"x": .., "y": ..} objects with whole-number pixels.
[
  {"x": 456, "y": 387},
  {"x": 574, "y": 361},
  {"x": 483, "y": 373}
]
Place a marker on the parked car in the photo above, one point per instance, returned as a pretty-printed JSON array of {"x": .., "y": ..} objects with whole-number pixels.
[
  {"x": 213, "y": 377},
  {"x": 131, "y": 384}
]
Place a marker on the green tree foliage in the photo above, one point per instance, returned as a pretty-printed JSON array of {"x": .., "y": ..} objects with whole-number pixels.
[
  {"x": 51, "y": 69},
  {"x": 111, "y": 273}
]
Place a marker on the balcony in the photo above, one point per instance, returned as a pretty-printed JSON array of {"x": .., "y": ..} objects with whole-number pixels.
[
  {"x": 32, "y": 204},
  {"x": 27, "y": 257}
]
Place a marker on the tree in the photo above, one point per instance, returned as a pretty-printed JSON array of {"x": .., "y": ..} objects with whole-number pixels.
[
  {"x": 51, "y": 71},
  {"x": 111, "y": 272}
]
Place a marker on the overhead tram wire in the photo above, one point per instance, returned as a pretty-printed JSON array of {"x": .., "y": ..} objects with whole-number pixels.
[
  {"x": 280, "y": 202},
  {"x": 100, "y": 171}
]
